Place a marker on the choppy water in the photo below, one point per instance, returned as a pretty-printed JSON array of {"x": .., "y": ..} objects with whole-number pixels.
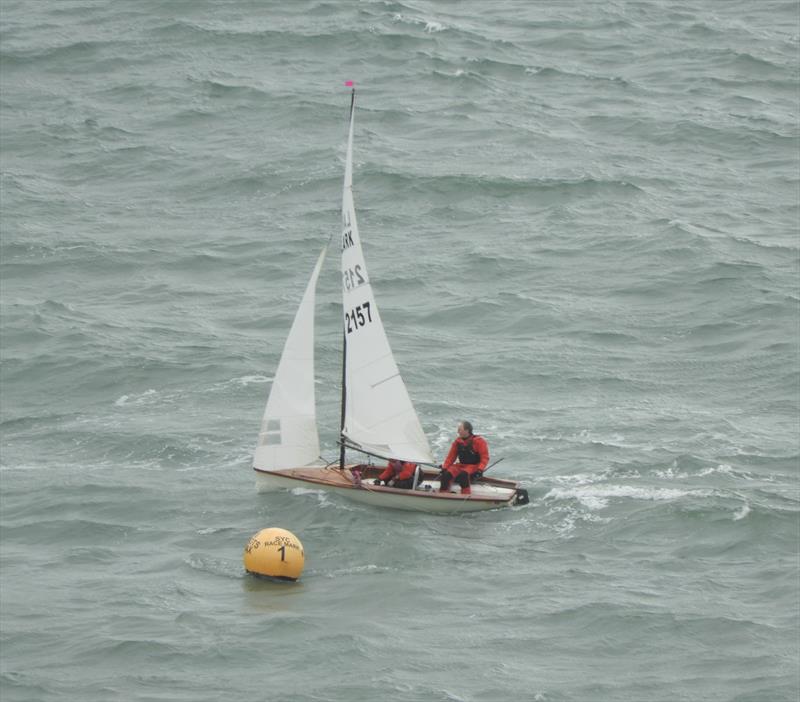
[{"x": 581, "y": 220}]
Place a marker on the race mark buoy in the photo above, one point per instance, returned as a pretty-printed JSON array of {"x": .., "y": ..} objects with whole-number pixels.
[{"x": 276, "y": 553}]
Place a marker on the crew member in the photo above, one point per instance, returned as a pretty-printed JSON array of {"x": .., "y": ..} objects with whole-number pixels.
[
  {"x": 466, "y": 461},
  {"x": 398, "y": 474}
]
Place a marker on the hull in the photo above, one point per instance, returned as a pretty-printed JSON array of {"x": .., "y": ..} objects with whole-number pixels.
[{"x": 487, "y": 494}]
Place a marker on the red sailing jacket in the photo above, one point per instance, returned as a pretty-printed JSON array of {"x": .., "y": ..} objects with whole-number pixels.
[
  {"x": 398, "y": 470},
  {"x": 474, "y": 449}
]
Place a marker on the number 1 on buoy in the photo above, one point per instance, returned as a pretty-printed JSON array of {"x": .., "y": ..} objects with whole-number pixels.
[{"x": 261, "y": 554}]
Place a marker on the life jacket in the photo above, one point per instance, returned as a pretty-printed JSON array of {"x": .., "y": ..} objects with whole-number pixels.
[
  {"x": 467, "y": 454},
  {"x": 398, "y": 470}
]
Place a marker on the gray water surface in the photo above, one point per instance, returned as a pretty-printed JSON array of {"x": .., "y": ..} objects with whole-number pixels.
[{"x": 581, "y": 224}]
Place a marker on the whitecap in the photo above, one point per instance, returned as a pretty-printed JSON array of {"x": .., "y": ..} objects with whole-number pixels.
[
  {"x": 567, "y": 519},
  {"x": 723, "y": 468},
  {"x": 324, "y": 500},
  {"x": 246, "y": 380},
  {"x": 575, "y": 479},
  {"x": 354, "y": 570},
  {"x": 596, "y": 497},
  {"x": 593, "y": 502},
  {"x": 135, "y": 399},
  {"x": 430, "y": 25},
  {"x": 671, "y": 473}
]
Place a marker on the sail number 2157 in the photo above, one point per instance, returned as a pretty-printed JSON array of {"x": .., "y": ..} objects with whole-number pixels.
[
  {"x": 357, "y": 317},
  {"x": 352, "y": 278}
]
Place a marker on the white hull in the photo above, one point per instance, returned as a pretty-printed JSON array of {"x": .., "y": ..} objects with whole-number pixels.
[{"x": 484, "y": 495}]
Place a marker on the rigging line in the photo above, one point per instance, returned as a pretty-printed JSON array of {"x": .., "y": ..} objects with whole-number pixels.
[{"x": 386, "y": 458}]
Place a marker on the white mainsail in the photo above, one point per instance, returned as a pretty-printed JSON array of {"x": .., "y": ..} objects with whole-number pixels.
[
  {"x": 379, "y": 416},
  {"x": 288, "y": 436}
]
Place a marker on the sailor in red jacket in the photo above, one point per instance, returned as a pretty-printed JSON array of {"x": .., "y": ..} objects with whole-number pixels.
[
  {"x": 398, "y": 474},
  {"x": 472, "y": 455}
]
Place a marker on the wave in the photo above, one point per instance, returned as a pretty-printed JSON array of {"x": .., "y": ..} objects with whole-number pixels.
[
  {"x": 144, "y": 398},
  {"x": 464, "y": 186},
  {"x": 214, "y": 566},
  {"x": 429, "y": 25},
  {"x": 748, "y": 63},
  {"x": 73, "y": 530},
  {"x": 674, "y": 472},
  {"x": 61, "y": 53},
  {"x": 29, "y": 685},
  {"x": 290, "y": 40},
  {"x": 596, "y": 497},
  {"x": 217, "y": 88},
  {"x": 560, "y": 73}
]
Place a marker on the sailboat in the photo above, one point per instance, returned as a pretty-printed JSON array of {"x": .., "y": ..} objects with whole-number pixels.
[{"x": 378, "y": 418}]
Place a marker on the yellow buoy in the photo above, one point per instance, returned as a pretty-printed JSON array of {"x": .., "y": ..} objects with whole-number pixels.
[{"x": 275, "y": 552}]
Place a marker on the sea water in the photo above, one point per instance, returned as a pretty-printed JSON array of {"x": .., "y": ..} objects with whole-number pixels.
[{"x": 581, "y": 224}]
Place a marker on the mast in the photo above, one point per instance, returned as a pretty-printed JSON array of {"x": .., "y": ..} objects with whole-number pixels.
[
  {"x": 344, "y": 403},
  {"x": 348, "y": 183}
]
